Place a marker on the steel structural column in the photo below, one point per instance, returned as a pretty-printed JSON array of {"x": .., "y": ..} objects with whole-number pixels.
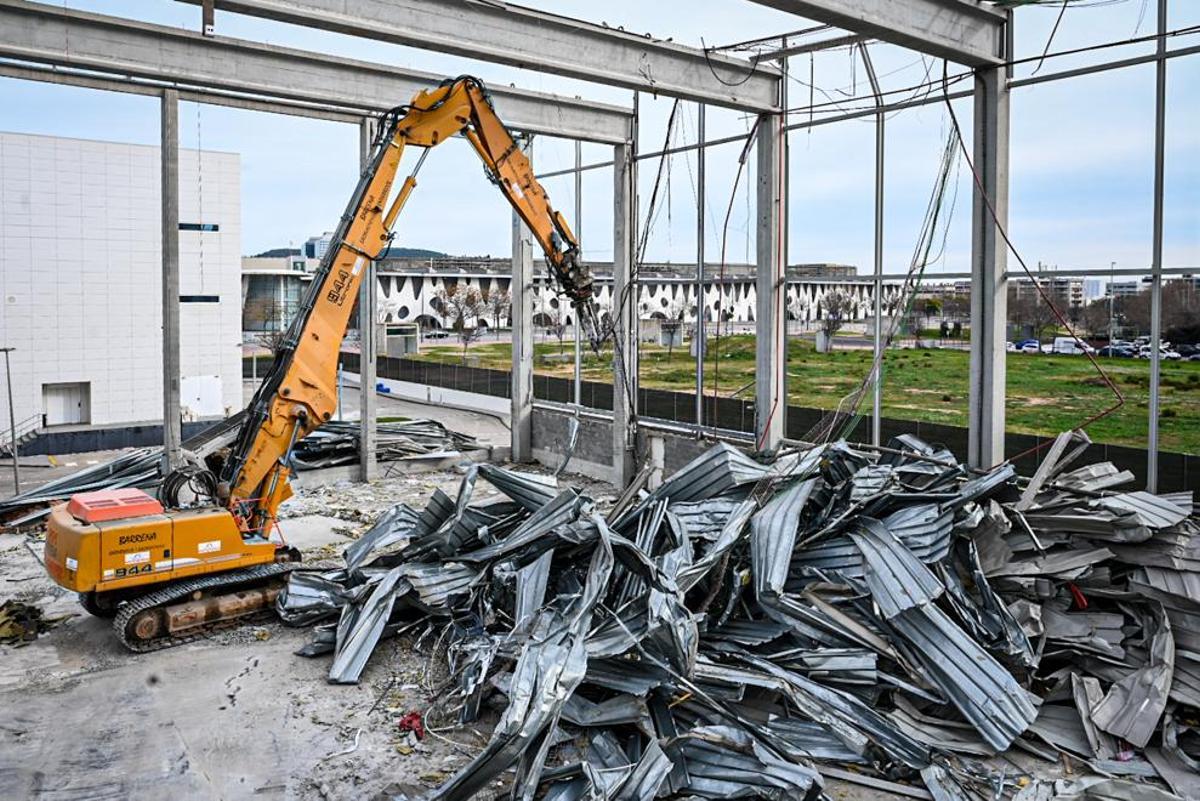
[
  {"x": 770, "y": 398},
  {"x": 522, "y": 340},
  {"x": 877, "y": 333},
  {"x": 1160, "y": 127},
  {"x": 989, "y": 257},
  {"x": 578, "y": 224},
  {"x": 625, "y": 318},
  {"x": 368, "y": 292},
  {"x": 169, "y": 150},
  {"x": 698, "y": 336}
]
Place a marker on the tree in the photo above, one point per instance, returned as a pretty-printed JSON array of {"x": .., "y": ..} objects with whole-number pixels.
[
  {"x": 835, "y": 308},
  {"x": 1180, "y": 307},
  {"x": 461, "y": 304},
  {"x": 676, "y": 312},
  {"x": 499, "y": 304},
  {"x": 957, "y": 307},
  {"x": 556, "y": 324},
  {"x": 1030, "y": 313},
  {"x": 1094, "y": 318},
  {"x": 798, "y": 307},
  {"x": 932, "y": 307}
]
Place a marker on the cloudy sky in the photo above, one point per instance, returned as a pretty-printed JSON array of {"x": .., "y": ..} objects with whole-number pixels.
[{"x": 1082, "y": 168}]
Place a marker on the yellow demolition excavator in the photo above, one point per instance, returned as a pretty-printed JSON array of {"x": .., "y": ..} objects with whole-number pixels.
[{"x": 166, "y": 575}]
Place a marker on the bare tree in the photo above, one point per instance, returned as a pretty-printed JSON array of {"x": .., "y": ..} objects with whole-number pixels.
[
  {"x": 1095, "y": 318},
  {"x": 798, "y": 307},
  {"x": 556, "y": 324},
  {"x": 1030, "y": 312},
  {"x": 1180, "y": 306},
  {"x": 676, "y": 312},
  {"x": 499, "y": 305},
  {"x": 462, "y": 305},
  {"x": 837, "y": 306}
]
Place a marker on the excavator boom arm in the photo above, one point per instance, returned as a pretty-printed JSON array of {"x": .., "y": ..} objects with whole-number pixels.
[{"x": 300, "y": 391}]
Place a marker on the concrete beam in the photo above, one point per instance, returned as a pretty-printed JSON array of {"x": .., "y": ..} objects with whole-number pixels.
[
  {"x": 368, "y": 293},
  {"x": 523, "y": 37},
  {"x": 522, "y": 341},
  {"x": 172, "y": 414},
  {"x": 625, "y": 318},
  {"x": 770, "y": 371},
  {"x": 965, "y": 31},
  {"x": 989, "y": 259},
  {"x": 121, "y": 48}
]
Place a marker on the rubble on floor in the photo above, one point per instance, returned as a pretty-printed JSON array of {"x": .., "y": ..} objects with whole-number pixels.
[
  {"x": 335, "y": 443},
  {"x": 746, "y": 629},
  {"x": 21, "y": 623}
]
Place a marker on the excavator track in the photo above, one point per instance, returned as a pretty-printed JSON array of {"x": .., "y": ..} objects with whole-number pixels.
[{"x": 129, "y": 613}]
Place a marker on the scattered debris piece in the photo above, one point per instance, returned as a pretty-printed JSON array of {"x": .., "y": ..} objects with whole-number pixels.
[
  {"x": 748, "y": 628},
  {"x": 411, "y": 721},
  {"x": 21, "y": 623}
]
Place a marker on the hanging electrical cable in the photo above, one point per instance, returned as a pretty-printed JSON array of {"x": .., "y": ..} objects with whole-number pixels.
[{"x": 1001, "y": 229}]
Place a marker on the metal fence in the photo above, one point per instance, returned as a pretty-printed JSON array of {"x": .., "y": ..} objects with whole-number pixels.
[{"x": 1177, "y": 471}]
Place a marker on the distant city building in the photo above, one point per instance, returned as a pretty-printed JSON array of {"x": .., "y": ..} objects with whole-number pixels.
[
  {"x": 1093, "y": 289},
  {"x": 409, "y": 283},
  {"x": 1123, "y": 289},
  {"x": 315, "y": 247},
  {"x": 1064, "y": 291}
]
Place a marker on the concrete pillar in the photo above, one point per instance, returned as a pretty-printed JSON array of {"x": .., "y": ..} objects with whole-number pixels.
[
  {"x": 625, "y": 318},
  {"x": 522, "y": 341},
  {"x": 172, "y": 427},
  {"x": 368, "y": 292},
  {"x": 989, "y": 259},
  {"x": 770, "y": 394}
]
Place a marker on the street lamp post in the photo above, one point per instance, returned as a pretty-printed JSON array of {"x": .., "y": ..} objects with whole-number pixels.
[
  {"x": 12, "y": 423},
  {"x": 1112, "y": 298}
]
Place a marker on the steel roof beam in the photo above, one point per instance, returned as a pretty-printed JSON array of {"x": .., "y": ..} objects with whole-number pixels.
[
  {"x": 531, "y": 39},
  {"x": 964, "y": 31},
  {"x": 120, "y": 49}
]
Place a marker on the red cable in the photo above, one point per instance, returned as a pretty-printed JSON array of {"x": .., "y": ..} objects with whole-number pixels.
[{"x": 1037, "y": 285}]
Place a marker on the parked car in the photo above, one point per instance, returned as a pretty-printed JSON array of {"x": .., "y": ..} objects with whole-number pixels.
[
  {"x": 436, "y": 333},
  {"x": 1010, "y": 347},
  {"x": 1071, "y": 346},
  {"x": 1185, "y": 350},
  {"x": 1117, "y": 351},
  {"x": 1164, "y": 353},
  {"x": 1029, "y": 347}
]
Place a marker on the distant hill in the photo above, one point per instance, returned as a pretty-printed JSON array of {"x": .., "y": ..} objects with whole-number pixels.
[
  {"x": 412, "y": 253},
  {"x": 277, "y": 253}
]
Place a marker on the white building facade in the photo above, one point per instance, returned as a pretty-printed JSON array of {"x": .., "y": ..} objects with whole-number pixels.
[{"x": 81, "y": 277}]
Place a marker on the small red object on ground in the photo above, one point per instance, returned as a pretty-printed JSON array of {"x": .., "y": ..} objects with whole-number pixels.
[{"x": 411, "y": 721}]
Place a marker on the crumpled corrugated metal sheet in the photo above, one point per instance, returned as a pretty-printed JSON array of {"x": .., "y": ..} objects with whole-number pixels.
[{"x": 751, "y": 623}]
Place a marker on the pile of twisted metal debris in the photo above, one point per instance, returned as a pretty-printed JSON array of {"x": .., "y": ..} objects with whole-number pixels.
[{"x": 747, "y": 629}]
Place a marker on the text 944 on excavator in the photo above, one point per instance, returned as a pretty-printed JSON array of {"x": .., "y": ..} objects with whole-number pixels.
[{"x": 166, "y": 573}]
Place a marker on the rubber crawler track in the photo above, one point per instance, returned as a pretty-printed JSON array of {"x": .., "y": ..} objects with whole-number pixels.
[{"x": 233, "y": 580}]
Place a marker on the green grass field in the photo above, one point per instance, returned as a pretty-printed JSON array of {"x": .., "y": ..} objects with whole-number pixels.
[{"x": 1046, "y": 394}]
